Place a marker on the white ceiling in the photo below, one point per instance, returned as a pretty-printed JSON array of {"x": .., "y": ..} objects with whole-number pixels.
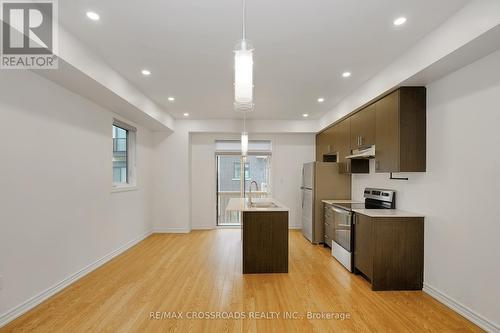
[{"x": 301, "y": 48}]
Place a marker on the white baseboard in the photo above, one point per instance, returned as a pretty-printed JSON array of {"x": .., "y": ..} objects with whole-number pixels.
[
  {"x": 172, "y": 231},
  {"x": 19, "y": 310},
  {"x": 480, "y": 321},
  {"x": 294, "y": 227},
  {"x": 204, "y": 227}
]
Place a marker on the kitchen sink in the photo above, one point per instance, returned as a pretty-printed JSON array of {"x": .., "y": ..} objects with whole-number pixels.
[{"x": 263, "y": 205}]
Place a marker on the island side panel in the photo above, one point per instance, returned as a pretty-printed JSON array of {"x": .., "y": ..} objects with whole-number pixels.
[{"x": 265, "y": 242}]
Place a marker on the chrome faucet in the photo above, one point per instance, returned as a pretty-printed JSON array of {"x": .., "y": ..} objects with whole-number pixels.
[{"x": 250, "y": 189}]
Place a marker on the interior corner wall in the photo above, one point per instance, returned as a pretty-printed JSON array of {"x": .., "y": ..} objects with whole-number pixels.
[
  {"x": 458, "y": 193},
  {"x": 290, "y": 151},
  {"x": 58, "y": 215},
  {"x": 171, "y": 185}
]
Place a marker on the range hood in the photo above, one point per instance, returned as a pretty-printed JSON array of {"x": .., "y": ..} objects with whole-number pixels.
[{"x": 363, "y": 153}]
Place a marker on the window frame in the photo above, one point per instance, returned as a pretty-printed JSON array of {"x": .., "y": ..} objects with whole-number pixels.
[{"x": 131, "y": 179}]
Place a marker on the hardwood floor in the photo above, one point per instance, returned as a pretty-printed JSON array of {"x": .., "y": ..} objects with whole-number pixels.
[{"x": 201, "y": 271}]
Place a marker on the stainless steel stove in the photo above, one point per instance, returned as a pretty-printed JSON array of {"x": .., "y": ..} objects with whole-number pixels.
[{"x": 343, "y": 217}]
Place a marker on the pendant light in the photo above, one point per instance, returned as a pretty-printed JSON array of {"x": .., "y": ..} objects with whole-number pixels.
[
  {"x": 243, "y": 72},
  {"x": 244, "y": 139}
]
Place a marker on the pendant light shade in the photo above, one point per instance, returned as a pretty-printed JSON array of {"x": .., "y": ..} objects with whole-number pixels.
[
  {"x": 243, "y": 70},
  {"x": 244, "y": 144},
  {"x": 243, "y": 76}
]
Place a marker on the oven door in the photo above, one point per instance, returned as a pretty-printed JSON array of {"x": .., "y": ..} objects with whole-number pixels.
[{"x": 342, "y": 227}]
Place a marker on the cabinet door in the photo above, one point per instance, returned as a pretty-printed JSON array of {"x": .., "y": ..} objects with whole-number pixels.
[
  {"x": 363, "y": 128},
  {"x": 320, "y": 146},
  {"x": 363, "y": 245},
  {"x": 387, "y": 133},
  {"x": 330, "y": 140},
  {"x": 328, "y": 224},
  {"x": 325, "y": 143},
  {"x": 342, "y": 134}
]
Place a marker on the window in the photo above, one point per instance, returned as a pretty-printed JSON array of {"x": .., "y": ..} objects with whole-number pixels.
[
  {"x": 237, "y": 171},
  {"x": 123, "y": 154},
  {"x": 120, "y": 155}
]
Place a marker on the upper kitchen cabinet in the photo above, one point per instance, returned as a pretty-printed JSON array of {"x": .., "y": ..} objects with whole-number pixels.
[
  {"x": 400, "y": 131},
  {"x": 325, "y": 146},
  {"x": 341, "y": 136},
  {"x": 363, "y": 127},
  {"x": 334, "y": 144}
]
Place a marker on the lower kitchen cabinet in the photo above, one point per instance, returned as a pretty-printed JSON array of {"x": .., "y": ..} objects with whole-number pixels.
[
  {"x": 328, "y": 223},
  {"x": 389, "y": 251}
]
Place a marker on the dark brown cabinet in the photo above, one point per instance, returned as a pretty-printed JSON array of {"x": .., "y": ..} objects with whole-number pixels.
[
  {"x": 400, "y": 128},
  {"x": 389, "y": 251},
  {"x": 363, "y": 252},
  {"x": 325, "y": 144},
  {"x": 265, "y": 242},
  {"x": 342, "y": 132},
  {"x": 321, "y": 146},
  {"x": 328, "y": 222},
  {"x": 363, "y": 128},
  {"x": 334, "y": 144}
]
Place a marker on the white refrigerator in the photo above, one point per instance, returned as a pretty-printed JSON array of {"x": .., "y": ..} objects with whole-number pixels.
[{"x": 320, "y": 181}]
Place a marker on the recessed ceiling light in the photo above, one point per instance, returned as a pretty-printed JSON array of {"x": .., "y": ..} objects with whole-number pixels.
[
  {"x": 186, "y": 114},
  {"x": 346, "y": 74},
  {"x": 305, "y": 115},
  {"x": 321, "y": 100},
  {"x": 93, "y": 16},
  {"x": 400, "y": 21},
  {"x": 146, "y": 72},
  {"x": 171, "y": 99}
]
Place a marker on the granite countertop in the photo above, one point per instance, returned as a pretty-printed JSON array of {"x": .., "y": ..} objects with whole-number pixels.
[
  {"x": 242, "y": 205},
  {"x": 386, "y": 213},
  {"x": 330, "y": 202}
]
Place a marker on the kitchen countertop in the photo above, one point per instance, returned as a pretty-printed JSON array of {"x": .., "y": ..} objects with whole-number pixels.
[
  {"x": 330, "y": 202},
  {"x": 242, "y": 205},
  {"x": 386, "y": 213}
]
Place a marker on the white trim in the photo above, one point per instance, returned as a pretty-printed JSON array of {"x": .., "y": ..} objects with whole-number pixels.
[
  {"x": 203, "y": 227},
  {"x": 124, "y": 188},
  {"x": 22, "y": 308},
  {"x": 294, "y": 227},
  {"x": 177, "y": 230},
  {"x": 477, "y": 319}
]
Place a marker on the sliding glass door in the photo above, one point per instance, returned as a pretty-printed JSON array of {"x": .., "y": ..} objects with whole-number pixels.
[{"x": 234, "y": 175}]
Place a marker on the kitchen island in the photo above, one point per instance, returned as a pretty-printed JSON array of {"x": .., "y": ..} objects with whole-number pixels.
[{"x": 264, "y": 234}]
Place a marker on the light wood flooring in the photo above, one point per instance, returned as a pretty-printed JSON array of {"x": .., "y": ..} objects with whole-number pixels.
[{"x": 201, "y": 272}]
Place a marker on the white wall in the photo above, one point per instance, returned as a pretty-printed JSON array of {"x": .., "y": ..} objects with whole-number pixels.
[
  {"x": 57, "y": 212},
  {"x": 459, "y": 192},
  {"x": 171, "y": 185},
  {"x": 290, "y": 151}
]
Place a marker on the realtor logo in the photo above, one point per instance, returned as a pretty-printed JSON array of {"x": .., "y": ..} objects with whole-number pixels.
[{"x": 29, "y": 34}]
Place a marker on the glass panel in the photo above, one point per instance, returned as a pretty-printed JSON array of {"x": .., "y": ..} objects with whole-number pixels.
[
  {"x": 120, "y": 155},
  {"x": 237, "y": 171},
  {"x": 342, "y": 230},
  {"x": 229, "y": 182}
]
